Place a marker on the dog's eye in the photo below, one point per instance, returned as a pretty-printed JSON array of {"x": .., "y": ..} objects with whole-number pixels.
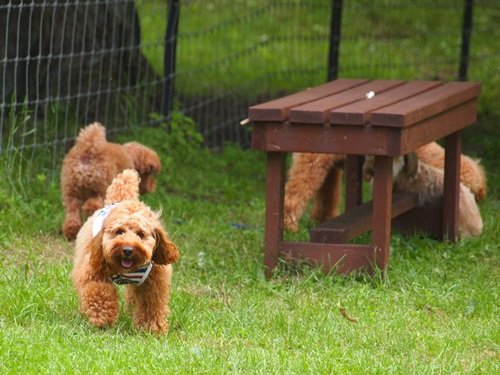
[
  {"x": 119, "y": 232},
  {"x": 140, "y": 234}
]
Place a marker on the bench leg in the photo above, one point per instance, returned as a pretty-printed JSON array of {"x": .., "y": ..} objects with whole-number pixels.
[
  {"x": 382, "y": 207},
  {"x": 354, "y": 181},
  {"x": 451, "y": 193},
  {"x": 275, "y": 188}
]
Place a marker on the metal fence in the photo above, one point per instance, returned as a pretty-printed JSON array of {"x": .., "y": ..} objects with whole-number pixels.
[{"x": 64, "y": 64}]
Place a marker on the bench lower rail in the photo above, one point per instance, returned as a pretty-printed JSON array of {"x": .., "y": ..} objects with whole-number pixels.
[
  {"x": 343, "y": 258},
  {"x": 358, "y": 220}
]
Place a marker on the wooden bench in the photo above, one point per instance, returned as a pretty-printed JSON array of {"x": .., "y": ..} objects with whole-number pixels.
[{"x": 384, "y": 118}]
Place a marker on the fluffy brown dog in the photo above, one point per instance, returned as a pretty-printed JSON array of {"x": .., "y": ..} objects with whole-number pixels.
[
  {"x": 412, "y": 175},
  {"x": 319, "y": 176},
  {"x": 90, "y": 166},
  {"x": 124, "y": 243},
  {"x": 471, "y": 172}
]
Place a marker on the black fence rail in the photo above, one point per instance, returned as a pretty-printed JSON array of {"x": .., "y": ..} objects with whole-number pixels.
[{"x": 128, "y": 63}]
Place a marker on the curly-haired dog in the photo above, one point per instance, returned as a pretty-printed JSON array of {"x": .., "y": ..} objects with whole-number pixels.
[
  {"x": 320, "y": 176},
  {"x": 90, "y": 166},
  {"x": 124, "y": 243},
  {"x": 412, "y": 175},
  {"x": 472, "y": 173}
]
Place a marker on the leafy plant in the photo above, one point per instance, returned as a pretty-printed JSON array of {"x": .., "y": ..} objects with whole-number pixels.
[{"x": 182, "y": 137}]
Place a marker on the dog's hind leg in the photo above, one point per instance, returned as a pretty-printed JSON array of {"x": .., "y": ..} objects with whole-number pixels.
[
  {"x": 92, "y": 204},
  {"x": 72, "y": 220},
  {"x": 306, "y": 176},
  {"x": 328, "y": 198}
]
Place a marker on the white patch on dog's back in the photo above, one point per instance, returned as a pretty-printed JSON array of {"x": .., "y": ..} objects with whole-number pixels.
[
  {"x": 397, "y": 165},
  {"x": 99, "y": 218}
]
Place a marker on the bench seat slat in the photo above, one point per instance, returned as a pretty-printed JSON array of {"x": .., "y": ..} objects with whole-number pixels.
[
  {"x": 318, "y": 111},
  {"x": 426, "y": 105},
  {"x": 359, "y": 113},
  {"x": 279, "y": 109}
]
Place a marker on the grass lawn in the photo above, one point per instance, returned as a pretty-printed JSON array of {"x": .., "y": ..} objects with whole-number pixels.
[{"x": 437, "y": 311}]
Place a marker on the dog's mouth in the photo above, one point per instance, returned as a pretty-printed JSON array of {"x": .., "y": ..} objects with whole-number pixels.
[
  {"x": 147, "y": 185},
  {"x": 126, "y": 263},
  {"x": 127, "y": 257}
]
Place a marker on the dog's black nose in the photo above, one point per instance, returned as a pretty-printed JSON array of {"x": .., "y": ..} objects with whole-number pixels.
[{"x": 128, "y": 250}]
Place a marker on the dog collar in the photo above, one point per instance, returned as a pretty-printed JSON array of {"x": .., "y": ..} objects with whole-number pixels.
[
  {"x": 137, "y": 277},
  {"x": 99, "y": 217}
]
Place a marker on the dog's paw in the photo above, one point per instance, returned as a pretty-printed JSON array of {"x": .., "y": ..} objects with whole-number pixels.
[
  {"x": 155, "y": 326},
  {"x": 102, "y": 320},
  {"x": 290, "y": 223},
  {"x": 70, "y": 229}
]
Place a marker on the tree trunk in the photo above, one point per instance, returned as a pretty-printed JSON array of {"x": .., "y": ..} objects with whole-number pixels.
[{"x": 84, "y": 53}]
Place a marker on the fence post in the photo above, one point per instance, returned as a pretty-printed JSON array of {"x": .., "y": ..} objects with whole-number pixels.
[
  {"x": 335, "y": 26},
  {"x": 466, "y": 33},
  {"x": 169, "y": 57}
]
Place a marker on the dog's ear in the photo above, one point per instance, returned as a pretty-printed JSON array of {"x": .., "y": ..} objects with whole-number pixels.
[
  {"x": 165, "y": 252},
  {"x": 411, "y": 164},
  {"x": 97, "y": 262},
  {"x": 146, "y": 160},
  {"x": 152, "y": 167}
]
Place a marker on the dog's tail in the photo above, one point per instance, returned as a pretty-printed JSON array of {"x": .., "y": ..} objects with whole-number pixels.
[
  {"x": 93, "y": 135},
  {"x": 125, "y": 186}
]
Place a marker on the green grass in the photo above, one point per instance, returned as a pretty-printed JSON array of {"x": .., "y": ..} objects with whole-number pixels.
[{"x": 437, "y": 311}]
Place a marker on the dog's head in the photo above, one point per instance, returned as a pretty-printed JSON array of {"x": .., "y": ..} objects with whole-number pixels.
[
  {"x": 406, "y": 165},
  {"x": 131, "y": 236},
  {"x": 147, "y": 164},
  {"x": 410, "y": 164}
]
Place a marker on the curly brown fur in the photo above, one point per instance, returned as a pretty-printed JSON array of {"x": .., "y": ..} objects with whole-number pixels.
[
  {"x": 320, "y": 176},
  {"x": 313, "y": 175},
  {"x": 90, "y": 166},
  {"x": 472, "y": 173},
  {"x": 412, "y": 175},
  {"x": 130, "y": 224}
]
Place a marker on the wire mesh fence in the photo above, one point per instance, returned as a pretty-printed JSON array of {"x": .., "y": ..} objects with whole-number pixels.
[
  {"x": 67, "y": 63},
  {"x": 64, "y": 64}
]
